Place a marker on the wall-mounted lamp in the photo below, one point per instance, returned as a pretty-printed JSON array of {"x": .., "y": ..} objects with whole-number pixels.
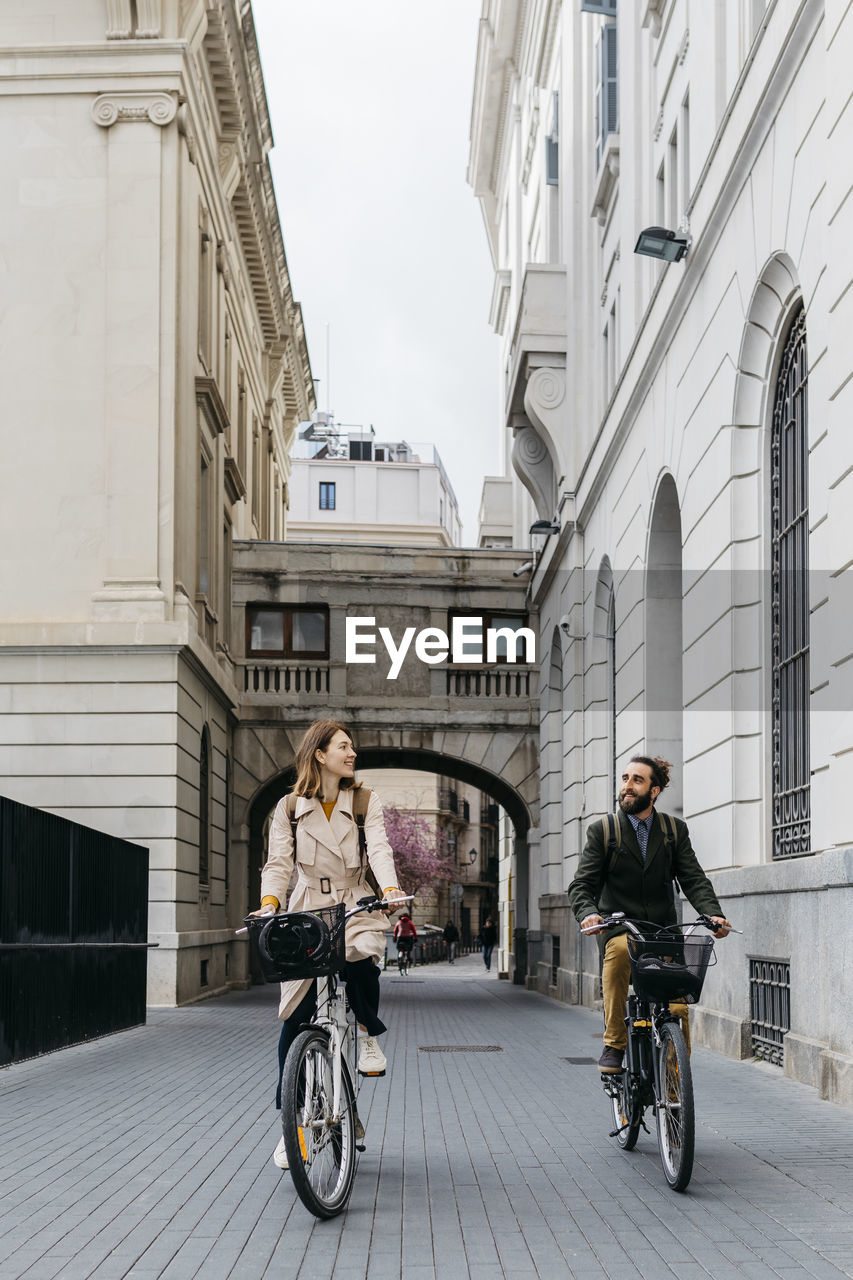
[
  {"x": 545, "y": 526},
  {"x": 666, "y": 246}
]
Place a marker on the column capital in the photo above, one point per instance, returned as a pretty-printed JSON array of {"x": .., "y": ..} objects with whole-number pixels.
[{"x": 158, "y": 108}]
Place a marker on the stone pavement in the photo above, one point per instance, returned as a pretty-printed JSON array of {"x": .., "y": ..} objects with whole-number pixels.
[{"x": 147, "y": 1154}]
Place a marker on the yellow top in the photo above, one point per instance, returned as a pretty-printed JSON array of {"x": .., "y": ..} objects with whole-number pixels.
[{"x": 328, "y": 806}]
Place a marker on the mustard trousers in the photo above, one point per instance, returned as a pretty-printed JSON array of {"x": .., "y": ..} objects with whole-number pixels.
[{"x": 615, "y": 980}]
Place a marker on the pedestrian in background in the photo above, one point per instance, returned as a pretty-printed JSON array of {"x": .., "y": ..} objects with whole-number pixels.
[
  {"x": 451, "y": 937},
  {"x": 488, "y": 937}
]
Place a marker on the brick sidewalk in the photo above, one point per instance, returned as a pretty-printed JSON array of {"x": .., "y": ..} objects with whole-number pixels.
[{"x": 147, "y": 1154}]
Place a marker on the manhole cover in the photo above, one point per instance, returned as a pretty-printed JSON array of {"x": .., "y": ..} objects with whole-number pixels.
[
  {"x": 459, "y": 1048},
  {"x": 580, "y": 1062}
]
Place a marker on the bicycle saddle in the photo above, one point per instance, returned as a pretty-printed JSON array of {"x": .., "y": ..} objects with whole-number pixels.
[{"x": 294, "y": 938}]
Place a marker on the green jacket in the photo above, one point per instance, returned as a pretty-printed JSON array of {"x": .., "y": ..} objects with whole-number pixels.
[{"x": 643, "y": 890}]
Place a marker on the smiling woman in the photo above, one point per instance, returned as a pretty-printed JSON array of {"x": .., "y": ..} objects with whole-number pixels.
[
  {"x": 375, "y": 205},
  {"x": 318, "y": 830}
]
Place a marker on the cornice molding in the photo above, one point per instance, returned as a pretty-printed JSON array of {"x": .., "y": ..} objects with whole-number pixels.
[{"x": 158, "y": 108}]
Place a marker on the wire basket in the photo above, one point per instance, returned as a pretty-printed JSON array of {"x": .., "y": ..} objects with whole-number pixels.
[
  {"x": 299, "y": 944},
  {"x": 671, "y": 968}
]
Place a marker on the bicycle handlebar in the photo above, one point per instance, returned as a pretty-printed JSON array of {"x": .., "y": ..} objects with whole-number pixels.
[
  {"x": 619, "y": 918},
  {"x": 364, "y": 904}
]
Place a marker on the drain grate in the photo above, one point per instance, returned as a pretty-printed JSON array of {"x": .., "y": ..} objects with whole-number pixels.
[
  {"x": 580, "y": 1062},
  {"x": 459, "y": 1048}
]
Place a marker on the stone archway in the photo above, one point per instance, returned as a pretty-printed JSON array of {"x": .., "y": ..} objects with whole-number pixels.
[{"x": 504, "y": 766}]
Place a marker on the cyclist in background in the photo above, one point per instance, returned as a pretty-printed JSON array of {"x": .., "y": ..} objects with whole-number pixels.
[
  {"x": 405, "y": 935},
  {"x": 635, "y": 872}
]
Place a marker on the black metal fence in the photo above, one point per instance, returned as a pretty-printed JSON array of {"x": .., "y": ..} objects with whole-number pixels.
[
  {"x": 428, "y": 949},
  {"x": 73, "y": 932}
]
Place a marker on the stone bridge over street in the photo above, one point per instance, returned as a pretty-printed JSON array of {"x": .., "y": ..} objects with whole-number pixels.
[{"x": 474, "y": 721}]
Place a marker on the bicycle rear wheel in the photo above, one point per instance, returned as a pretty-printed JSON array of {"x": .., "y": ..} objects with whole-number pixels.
[
  {"x": 320, "y": 1149},
  {"x": 675, "y": 1114},
  {"x": 626, "y": 1111}
]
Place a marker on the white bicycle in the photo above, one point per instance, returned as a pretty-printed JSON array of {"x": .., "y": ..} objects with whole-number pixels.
[{"x": 319, "y": 1113}]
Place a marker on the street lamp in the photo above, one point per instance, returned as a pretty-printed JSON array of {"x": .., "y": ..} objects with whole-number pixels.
[
  {"x": 666, "y": 246},
  {"x": 545, "y": 526}
]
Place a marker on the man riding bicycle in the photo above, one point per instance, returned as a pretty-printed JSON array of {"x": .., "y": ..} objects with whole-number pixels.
[
  {"x": 632, "y": 862},
  {"x": 405, "y": 935}
]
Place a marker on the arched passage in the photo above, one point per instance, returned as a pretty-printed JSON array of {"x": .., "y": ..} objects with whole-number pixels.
[
  {"x": 663, "y": 637},
  {"x": 428, "y": 761}
]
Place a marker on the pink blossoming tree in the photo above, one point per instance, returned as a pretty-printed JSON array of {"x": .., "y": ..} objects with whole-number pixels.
[{"x": 420, "y": 863}]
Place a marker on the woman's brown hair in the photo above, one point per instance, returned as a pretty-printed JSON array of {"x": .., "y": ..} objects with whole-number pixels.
[{"x": 317, "y": 738}]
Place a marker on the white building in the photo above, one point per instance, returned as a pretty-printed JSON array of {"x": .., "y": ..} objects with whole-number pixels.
[
  {"x": 347, "y": 486},
  {"x": 155, "y": 370},
  {"x": 686, "y": 427}
]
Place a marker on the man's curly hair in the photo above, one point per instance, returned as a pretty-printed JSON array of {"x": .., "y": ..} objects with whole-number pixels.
[{"x": 660, "y": 769}]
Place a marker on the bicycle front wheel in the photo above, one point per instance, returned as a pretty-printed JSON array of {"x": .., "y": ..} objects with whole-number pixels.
[
  {"x": 320, "y": 1146},
  {"x": 675, "y": 1115}
]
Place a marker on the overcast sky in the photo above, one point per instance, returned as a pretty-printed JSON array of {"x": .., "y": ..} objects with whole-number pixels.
[{"x": 371, "y": 105}]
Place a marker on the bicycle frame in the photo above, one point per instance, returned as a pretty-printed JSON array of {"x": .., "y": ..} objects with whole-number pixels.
[{"x": 331, "y": 1016}]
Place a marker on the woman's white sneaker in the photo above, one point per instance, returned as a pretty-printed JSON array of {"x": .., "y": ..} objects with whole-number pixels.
[
  {"x": 280, "y": 1156},
  {"x": 371, "y": 1059}
]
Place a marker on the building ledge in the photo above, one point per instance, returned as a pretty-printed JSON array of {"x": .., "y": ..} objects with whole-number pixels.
[{"x": 607, "y": 179}]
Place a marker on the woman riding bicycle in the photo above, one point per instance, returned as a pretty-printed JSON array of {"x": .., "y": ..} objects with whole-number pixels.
[{"x": 329, "y": 869}]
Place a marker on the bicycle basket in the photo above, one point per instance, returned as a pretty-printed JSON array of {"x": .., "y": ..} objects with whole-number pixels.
[
  {"x": 672, "y": 968},
  {"x": 299, "y": 944}
]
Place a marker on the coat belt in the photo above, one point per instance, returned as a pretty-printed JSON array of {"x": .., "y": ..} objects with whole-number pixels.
[{"x": 329, "y": 884}]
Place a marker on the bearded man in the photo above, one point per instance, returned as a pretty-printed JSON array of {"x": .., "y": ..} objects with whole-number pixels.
[{"x": 633, "y": 868}]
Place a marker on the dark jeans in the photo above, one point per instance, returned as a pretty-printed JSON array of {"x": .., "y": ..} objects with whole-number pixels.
[
  {"x": 488, "y": 948},
  {"x": 362, "y": 979}
]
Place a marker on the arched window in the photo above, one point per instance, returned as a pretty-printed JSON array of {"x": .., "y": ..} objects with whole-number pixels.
[
  {"x": 204, "y": 808},
  {"x": 789, "y": 492}
]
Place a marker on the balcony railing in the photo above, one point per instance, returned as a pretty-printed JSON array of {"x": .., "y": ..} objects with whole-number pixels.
[
  {"x": 285, "y": 677},
  {"x": 491, "y": 682}
]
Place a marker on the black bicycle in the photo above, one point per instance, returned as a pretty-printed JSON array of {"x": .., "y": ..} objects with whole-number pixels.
[
  {"x": 404, "y": 959},
  {"x": 667, "y": 965}
]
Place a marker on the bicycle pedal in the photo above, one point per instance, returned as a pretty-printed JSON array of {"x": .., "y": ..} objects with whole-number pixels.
[
  {"x": 371, "y": 1073},
  {"x": 359, "y": 1146}
]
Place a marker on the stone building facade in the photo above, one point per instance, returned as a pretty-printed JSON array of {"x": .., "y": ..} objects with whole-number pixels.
[
  {"x": 685, "y": 428},
  {"x": 155, "y": 368}
]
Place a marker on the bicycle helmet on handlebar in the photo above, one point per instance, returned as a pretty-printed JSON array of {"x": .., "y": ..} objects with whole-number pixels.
[{"x": 295, "y": 940}]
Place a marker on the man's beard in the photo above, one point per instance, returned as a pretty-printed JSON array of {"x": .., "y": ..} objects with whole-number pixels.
[{"x": 635, "y": 804}]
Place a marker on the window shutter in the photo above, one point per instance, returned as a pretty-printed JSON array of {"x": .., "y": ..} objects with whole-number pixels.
[
  {"x": 611, "y": 79},
  {"x": 606, "y": 89},
  {"x": 552, "y": 144},
  {"x": 607, "y": 8}
]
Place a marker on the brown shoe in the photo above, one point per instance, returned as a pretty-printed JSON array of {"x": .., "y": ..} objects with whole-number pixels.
[{"x": 611, "y": 1059}]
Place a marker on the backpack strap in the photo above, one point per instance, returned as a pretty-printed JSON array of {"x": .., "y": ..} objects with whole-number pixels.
[
  {"x": 290, "y": 809},
  {"x": 612, "y": 833},
  {"x": 360, "y": 801},
  {"x": 670, "y": 835}
]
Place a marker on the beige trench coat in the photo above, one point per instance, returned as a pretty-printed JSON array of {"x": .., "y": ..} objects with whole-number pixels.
[{"x": 328, "y": 853}]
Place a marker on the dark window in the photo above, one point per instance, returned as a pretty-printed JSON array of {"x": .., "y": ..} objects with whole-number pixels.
[
  {"x": 204, "y": 808},
  {"x": 492, "y": 622},
  {"x": 361, "y": 450},
  {"x": 287, "y": 631},
  {"x": 789, "y": 480},
  {"x": 327, "y": 496},
  {"x": 552, "y": 145}
]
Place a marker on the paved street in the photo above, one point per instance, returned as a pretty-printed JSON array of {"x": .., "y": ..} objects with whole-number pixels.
[{"x": 147, "y": 1154}]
